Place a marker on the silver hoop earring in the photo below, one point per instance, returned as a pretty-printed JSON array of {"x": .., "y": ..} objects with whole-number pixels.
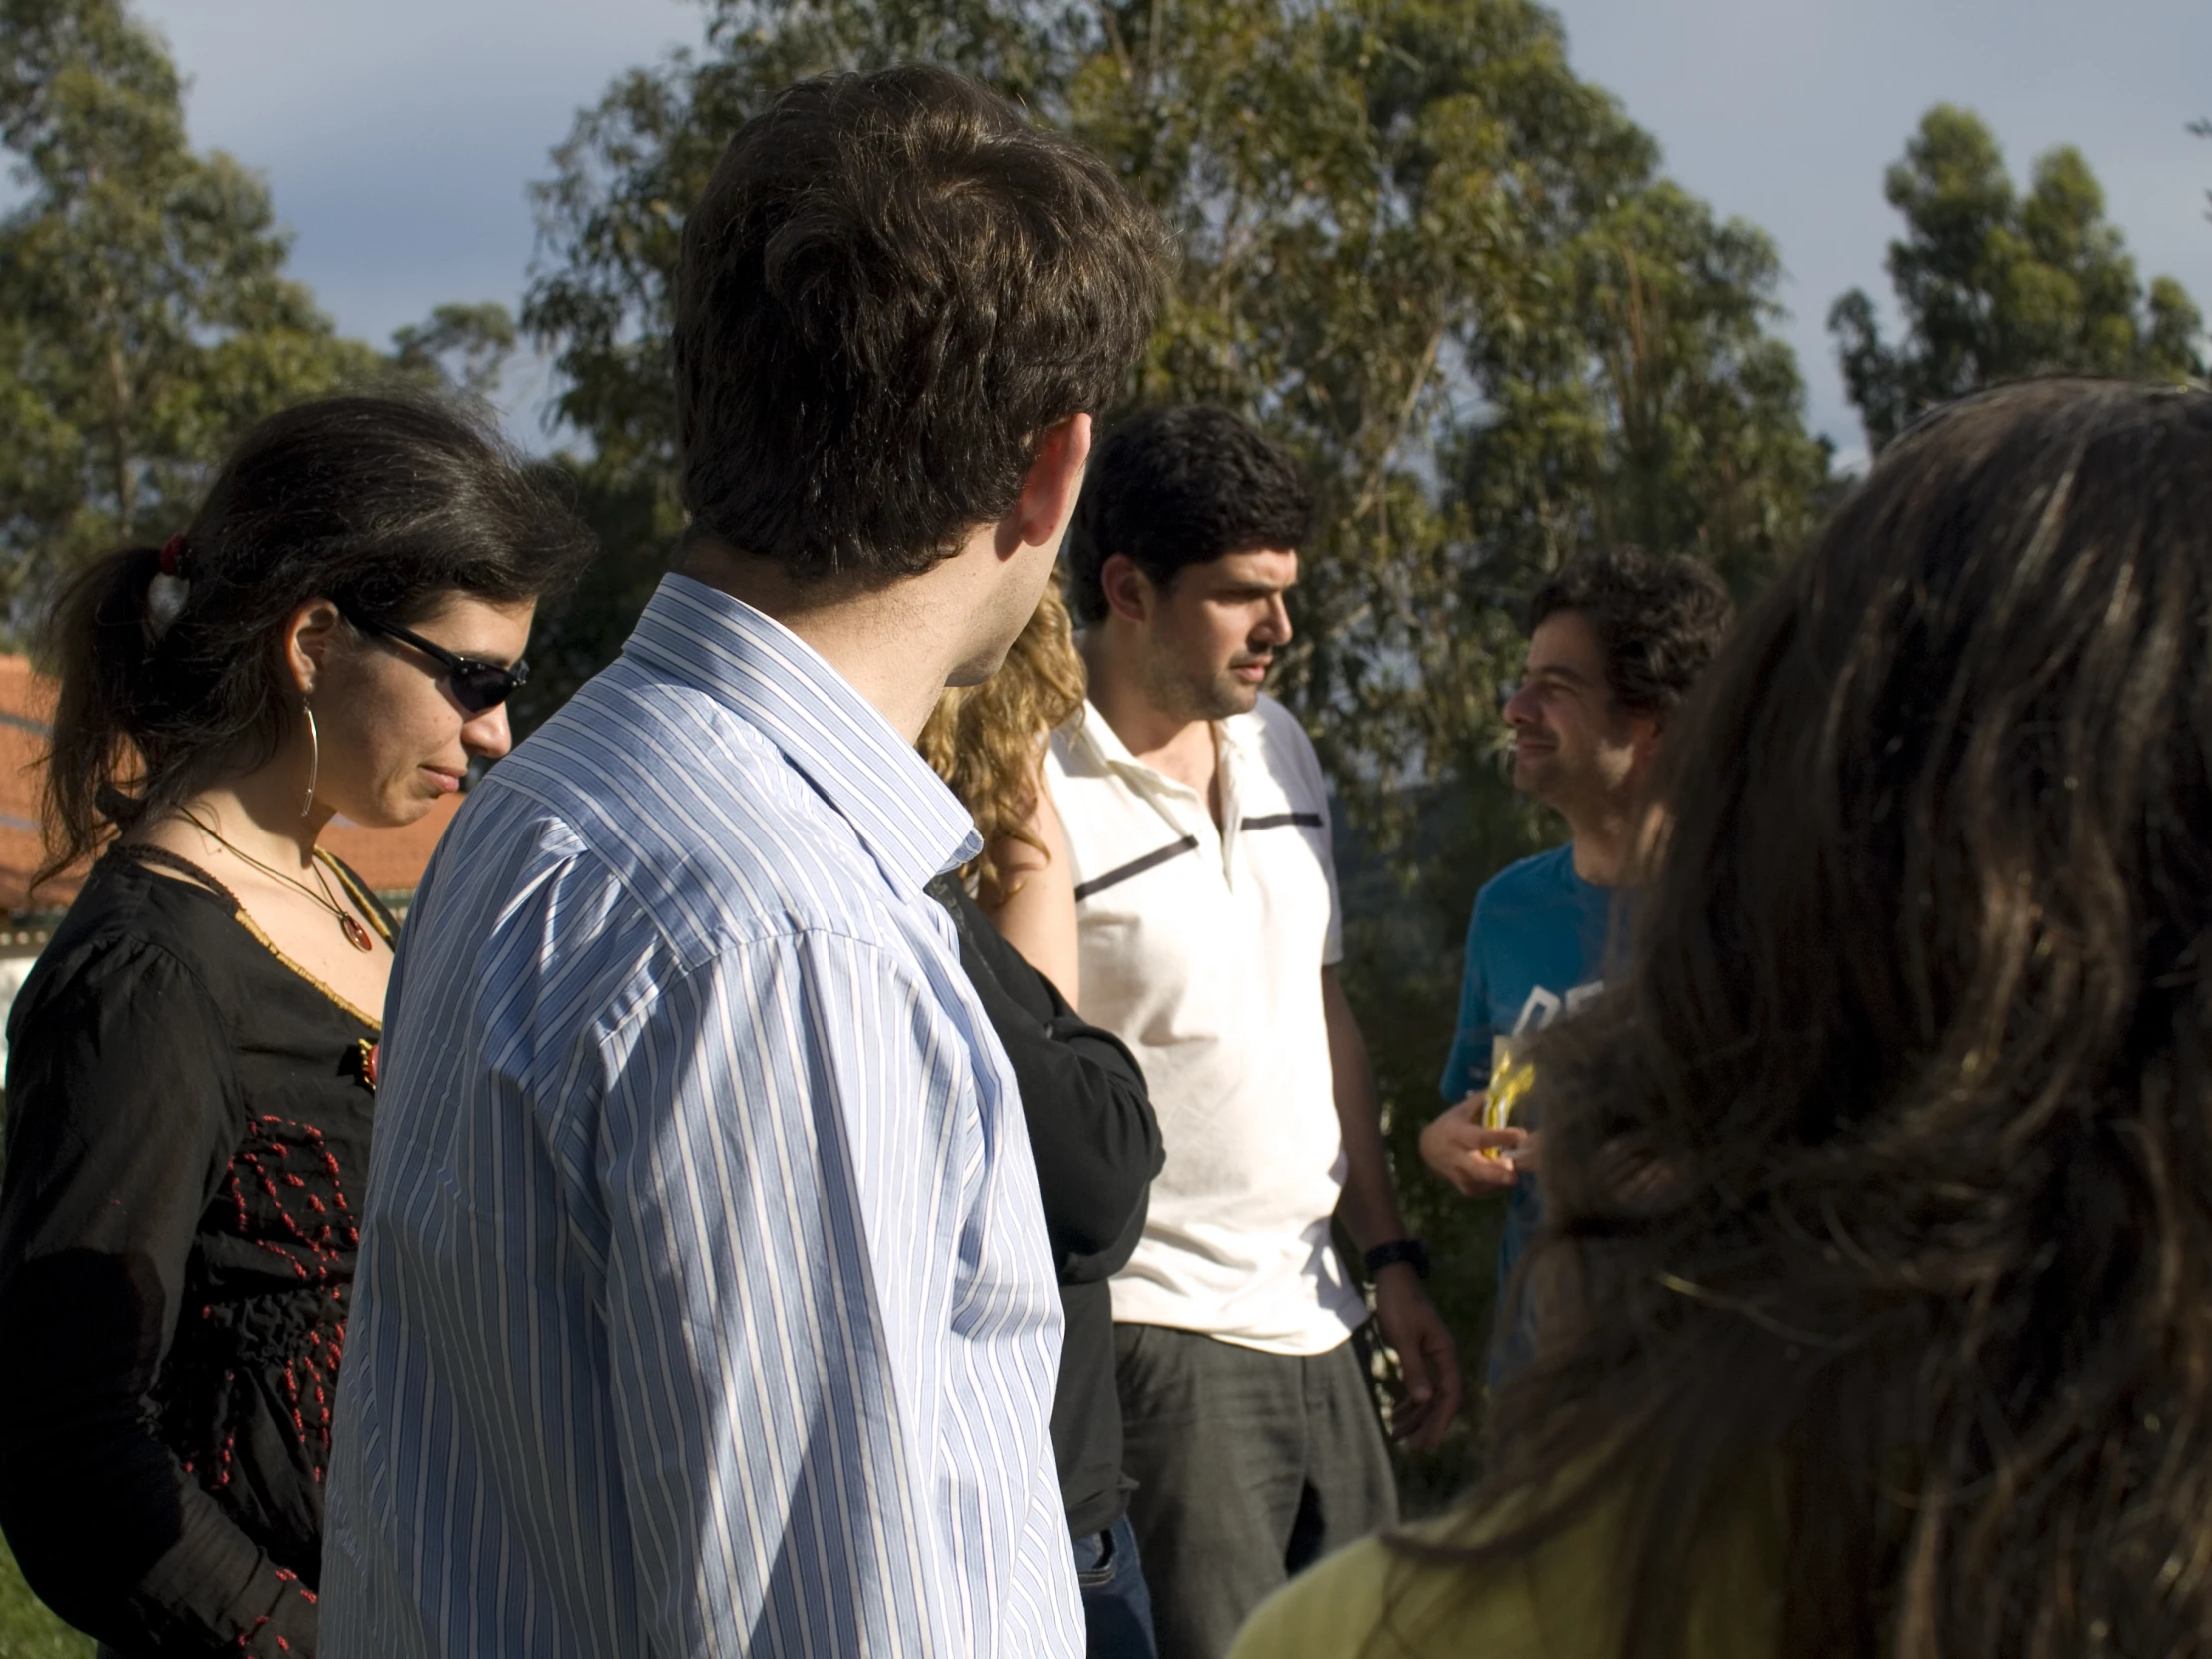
[{"x": 315, "y": 762}]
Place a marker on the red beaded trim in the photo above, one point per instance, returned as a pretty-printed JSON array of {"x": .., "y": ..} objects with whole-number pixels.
[
  {"x": 286, "y": 1576},
  {"x": 323, "y": 1231}
]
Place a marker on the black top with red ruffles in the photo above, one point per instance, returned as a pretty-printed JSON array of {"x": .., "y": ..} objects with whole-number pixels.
[{"x": 187, "y": 1128}]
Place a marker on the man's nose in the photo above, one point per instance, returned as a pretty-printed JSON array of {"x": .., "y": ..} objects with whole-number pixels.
[
  {"x": 1274, "y": 627},
  {"x": 1520, "y": 707}
]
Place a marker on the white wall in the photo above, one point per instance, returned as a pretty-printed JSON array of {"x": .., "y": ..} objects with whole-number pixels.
[{"x": 13, "y": 971}]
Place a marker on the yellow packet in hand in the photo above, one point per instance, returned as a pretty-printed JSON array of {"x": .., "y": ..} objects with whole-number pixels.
[{"x": 1510, "y": 1079}]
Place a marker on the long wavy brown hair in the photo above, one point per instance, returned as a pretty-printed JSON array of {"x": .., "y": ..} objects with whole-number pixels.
[
  {"x": 1886, "y": 1181},
  {"x": 987, "y": 741}
]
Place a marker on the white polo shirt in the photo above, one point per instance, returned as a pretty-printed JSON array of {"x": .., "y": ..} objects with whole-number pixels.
[{"x": 1202, "y": 949}]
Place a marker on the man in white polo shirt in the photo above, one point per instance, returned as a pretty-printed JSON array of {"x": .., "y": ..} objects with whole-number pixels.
[{"x": 1206, "y": 903}]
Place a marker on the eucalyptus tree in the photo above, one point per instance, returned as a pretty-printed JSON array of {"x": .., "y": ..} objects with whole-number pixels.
[
  {"x": 145, "y": 312},
  {"x": 1418, "y": 248},
  {"x": 1994, "y": 283}
]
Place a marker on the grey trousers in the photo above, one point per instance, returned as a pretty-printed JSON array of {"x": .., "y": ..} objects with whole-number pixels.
[{"x": 1249, "y": 1467}]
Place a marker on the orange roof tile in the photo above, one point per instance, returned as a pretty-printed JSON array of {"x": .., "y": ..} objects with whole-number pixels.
[
  {"x": 392, "y": 860},
  {"x": 26, "y": 702},
  {"x": 389, "y": 860}
]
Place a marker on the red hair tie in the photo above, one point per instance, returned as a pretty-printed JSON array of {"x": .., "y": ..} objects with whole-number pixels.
[{"x": 166, "y": 593}]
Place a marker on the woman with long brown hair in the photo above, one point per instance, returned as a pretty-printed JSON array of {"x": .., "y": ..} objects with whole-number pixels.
[
  {"x": 192, "y": 1065},
  {"x": 1876, "y": 1277},
  {"x": 1092, "y": 1125}
]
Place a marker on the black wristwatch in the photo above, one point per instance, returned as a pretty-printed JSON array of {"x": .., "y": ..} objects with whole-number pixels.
[{"x": 1412, "y": 1251}]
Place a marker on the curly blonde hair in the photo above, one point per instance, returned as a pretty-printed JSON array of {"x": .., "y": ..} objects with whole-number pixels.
[{"x": 985, "y": 740}]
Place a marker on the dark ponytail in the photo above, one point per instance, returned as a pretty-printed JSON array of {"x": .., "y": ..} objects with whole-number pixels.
[{"x": 385, "y": 504}]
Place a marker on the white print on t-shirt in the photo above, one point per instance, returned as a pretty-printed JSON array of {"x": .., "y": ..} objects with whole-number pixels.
[{"x": 1542, "y": 1006}]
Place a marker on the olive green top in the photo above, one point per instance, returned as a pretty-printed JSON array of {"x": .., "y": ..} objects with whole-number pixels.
[{"x": 1370, "y": 1602}]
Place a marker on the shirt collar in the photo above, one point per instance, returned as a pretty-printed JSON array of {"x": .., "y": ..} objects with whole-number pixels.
[
  {"x": 1105, "y": 742},
  {"x": 911, "y": 825},
  {"x": 1100, "y": 737}
]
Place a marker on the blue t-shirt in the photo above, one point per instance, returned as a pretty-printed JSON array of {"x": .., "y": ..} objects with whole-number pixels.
[{"x": 1535, "y": 950}]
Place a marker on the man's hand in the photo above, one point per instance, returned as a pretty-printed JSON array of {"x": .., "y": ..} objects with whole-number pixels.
[
  {"x": 1405, "y": 1319},
  {"x": 1473, "y": 1159}
]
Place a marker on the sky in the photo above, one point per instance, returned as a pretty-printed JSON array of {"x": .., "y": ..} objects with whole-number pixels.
[{"x": 400, "y": 138}]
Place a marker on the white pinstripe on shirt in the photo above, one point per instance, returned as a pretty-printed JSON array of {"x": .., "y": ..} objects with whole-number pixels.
[{"x": 705, "y": 1305}]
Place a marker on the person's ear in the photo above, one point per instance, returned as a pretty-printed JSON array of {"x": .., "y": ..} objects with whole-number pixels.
[
  {"x": 308, "y": 638},
  {"x": 1129, "y": 591},
  {"x": 1646, "y": 733},
  {"x": 1047, "y": 501}
]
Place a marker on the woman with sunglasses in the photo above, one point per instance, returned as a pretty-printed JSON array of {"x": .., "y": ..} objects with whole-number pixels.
[{"x": 192, "y": 1063}]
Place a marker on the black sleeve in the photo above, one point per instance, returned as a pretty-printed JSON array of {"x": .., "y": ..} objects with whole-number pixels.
[
  {"x": 121, "y": 1119},
  {"x": 1092, "y": 1125}
]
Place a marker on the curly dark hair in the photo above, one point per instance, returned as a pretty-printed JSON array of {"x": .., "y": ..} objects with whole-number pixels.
[
  {"x": 891, "y": 287},
  {"x": 1658, "y": 620},
  {"x": 1178, "y": 487},
  {"x": 1878, "y": 1197}
]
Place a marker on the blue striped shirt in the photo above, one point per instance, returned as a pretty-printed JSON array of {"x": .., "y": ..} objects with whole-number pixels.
[{"x": 705, "y": 1305}]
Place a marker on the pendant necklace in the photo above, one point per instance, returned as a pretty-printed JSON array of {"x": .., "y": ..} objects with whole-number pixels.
[{"x": 356, "y": 935}]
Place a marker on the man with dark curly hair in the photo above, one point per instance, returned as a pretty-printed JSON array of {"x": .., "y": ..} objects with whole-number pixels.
[{"x": 1616, "y": 639}]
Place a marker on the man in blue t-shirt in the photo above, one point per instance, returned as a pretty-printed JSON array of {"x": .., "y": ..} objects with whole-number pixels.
[{"x": 1615, "y": 639}]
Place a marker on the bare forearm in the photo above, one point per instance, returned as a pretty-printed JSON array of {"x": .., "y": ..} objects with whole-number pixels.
[
  {"x": 1033, "y": 903},
  {"x": 1035, "y": 920}
]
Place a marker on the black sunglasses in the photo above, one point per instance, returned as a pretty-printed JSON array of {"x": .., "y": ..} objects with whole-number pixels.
[{"x": 475, "y": 684}]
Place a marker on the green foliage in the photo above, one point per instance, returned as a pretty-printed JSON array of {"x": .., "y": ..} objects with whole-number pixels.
[
  {"x": 1995, "y": 284},
  {"x": 144, "y": 314},
  {"x": 27, "y": 1629},
  {"x": 631, "y": 511},
  {"x": 1417, "y": 248},
  {"x": 1404, "y": 952},
  {"x": 1447, "y": 272},
  {"x": 465, "y": 347},
  {"x": 144, "y": 310}
]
